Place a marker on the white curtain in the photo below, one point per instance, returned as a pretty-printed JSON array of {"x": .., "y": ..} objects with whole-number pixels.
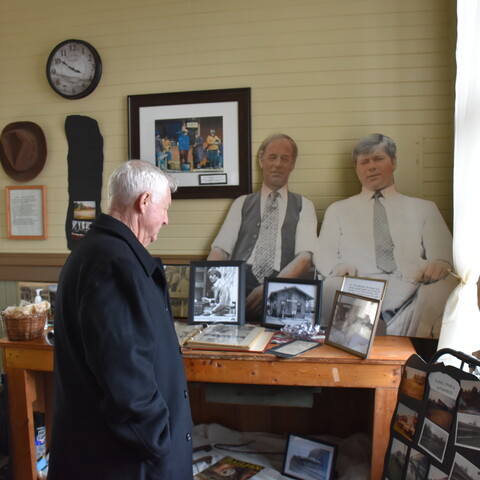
[{"x": 461, "y": 321}]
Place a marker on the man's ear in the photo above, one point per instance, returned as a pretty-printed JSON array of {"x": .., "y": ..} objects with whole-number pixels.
[
  {"x": 260, "y": 162},
  {"x": 394, "y": 161},
  {"x": 142, "y": 201}
]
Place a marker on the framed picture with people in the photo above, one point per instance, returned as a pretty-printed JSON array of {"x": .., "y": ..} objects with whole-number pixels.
[
  {"x": 217, "y": 292},
  {"x": 202, "y": 138}
]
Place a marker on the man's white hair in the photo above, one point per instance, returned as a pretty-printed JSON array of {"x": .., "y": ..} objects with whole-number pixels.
[{"x": 134, "y": 177}]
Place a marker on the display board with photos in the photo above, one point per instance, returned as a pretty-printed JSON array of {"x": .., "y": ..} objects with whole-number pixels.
[{"x": 435, "y": 428}]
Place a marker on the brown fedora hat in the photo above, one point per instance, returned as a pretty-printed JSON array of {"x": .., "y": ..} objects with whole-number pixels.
[{"x": 23, "y": 150}]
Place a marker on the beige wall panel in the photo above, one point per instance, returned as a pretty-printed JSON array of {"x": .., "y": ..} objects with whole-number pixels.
[{"x": 326, "y": 72}]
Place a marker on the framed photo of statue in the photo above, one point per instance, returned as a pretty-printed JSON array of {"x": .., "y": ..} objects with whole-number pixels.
[{"x": 217, "y": 292}]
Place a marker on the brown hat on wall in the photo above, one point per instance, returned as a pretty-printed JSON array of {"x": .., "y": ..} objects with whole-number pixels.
[{"x": 23, "y": 150}]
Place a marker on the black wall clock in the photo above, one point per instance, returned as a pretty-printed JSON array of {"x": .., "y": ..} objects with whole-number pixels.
[{"x": 74, "y": 69}]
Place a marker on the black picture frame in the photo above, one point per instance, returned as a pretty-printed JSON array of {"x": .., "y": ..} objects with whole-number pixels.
[
  {"x": 353, "y": 323},
  {"x": 227, "y": 111},
  {"x": 293, "y": 348},
  {"x": 178, "y": 281},
  {"x": 204, "y": 307},
  {"x": 291, "y": 301},
  {"x": 309, "y": 459}
]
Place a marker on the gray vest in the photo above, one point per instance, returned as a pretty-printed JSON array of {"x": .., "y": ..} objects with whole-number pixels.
[{"x": 250, "y": 228}]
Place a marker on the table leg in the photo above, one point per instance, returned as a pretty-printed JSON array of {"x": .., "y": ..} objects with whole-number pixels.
[
  {"x": 21, "y": 395},
  {"x": 385, "y": 402}
]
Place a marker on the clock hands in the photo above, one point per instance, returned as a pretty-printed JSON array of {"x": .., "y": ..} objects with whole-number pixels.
[{"x": 71, "y": 68}]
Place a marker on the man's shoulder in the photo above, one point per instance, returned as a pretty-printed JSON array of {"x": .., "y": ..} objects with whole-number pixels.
[
  {"x": 346, "y": 202},
  {"x": 298, "y": 197},
  {"x": 247, "y": 197},
  {"x": 415, "y": 202}
]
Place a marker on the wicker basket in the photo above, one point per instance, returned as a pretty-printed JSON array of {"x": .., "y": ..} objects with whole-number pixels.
[{"x": 24, "y": 327}]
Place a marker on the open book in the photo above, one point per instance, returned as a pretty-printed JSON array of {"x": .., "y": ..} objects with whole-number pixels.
[{"x": 227, "y": 337}]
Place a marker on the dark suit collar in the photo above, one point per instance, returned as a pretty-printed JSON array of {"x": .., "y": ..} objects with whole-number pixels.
[{"x": 119, "y": 229}]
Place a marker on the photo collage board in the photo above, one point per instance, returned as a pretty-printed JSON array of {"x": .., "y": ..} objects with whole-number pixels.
[{"x": 435, "y": 428}]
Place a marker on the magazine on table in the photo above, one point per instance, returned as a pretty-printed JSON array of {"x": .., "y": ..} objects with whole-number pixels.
[{"x": 229, "y": 468}]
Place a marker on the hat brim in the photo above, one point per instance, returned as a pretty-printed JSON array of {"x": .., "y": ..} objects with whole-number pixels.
[{"x": 37, "y": 167}]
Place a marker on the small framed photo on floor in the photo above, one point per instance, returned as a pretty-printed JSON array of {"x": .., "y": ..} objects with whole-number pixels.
[
  {"x": 353, "y": 323},
  {"x": 309, "y": 459},
  {"x": 217, "y": 292},
  {"x": 291, "y": 301}
]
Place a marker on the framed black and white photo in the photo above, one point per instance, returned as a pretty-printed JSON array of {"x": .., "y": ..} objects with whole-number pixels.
[
  {"x": 289, "y": 301},
  {"x": 178, "y": 281},
  {"x": 201, "y": 138},
  {"x": 309, "y": 459},
  {"x": 353, "y": 323},
  {"x": 217, "y": 292}
]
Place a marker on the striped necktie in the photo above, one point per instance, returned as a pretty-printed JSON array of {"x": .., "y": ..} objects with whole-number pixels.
[
  {"x": 265, "y": 249},
  {"x": 383, "y": 240}
]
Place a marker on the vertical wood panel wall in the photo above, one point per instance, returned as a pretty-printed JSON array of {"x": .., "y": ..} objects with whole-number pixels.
[{"x": 327, "y": 72}]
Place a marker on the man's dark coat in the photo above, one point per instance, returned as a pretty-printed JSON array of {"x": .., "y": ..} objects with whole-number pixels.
[{"x": 121, "y": 409}]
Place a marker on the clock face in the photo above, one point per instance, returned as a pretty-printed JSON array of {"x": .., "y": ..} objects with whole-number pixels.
[{"x": 74, "y": 69}]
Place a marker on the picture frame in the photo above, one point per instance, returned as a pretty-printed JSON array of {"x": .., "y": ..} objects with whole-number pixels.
[
  {"x": 216, "y": 167},
  {"x": 353, "y": 323},
  {"x": 178, "y": 281},
  {"x": 291, "y": 301},
  {"x": 26, "y": 212},
  {"x": 365, "y": 287},
  {"x": 217, "y": 292},
  {"x": 309, "y": 459},
  {"x": 293, "y": 348}
]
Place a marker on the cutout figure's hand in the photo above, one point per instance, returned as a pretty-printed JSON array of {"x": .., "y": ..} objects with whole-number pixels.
[{"x": 343, "y": 269}]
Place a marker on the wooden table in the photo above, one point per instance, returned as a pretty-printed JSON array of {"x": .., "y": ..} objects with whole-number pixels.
[{"x": 29, "y": 366}]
